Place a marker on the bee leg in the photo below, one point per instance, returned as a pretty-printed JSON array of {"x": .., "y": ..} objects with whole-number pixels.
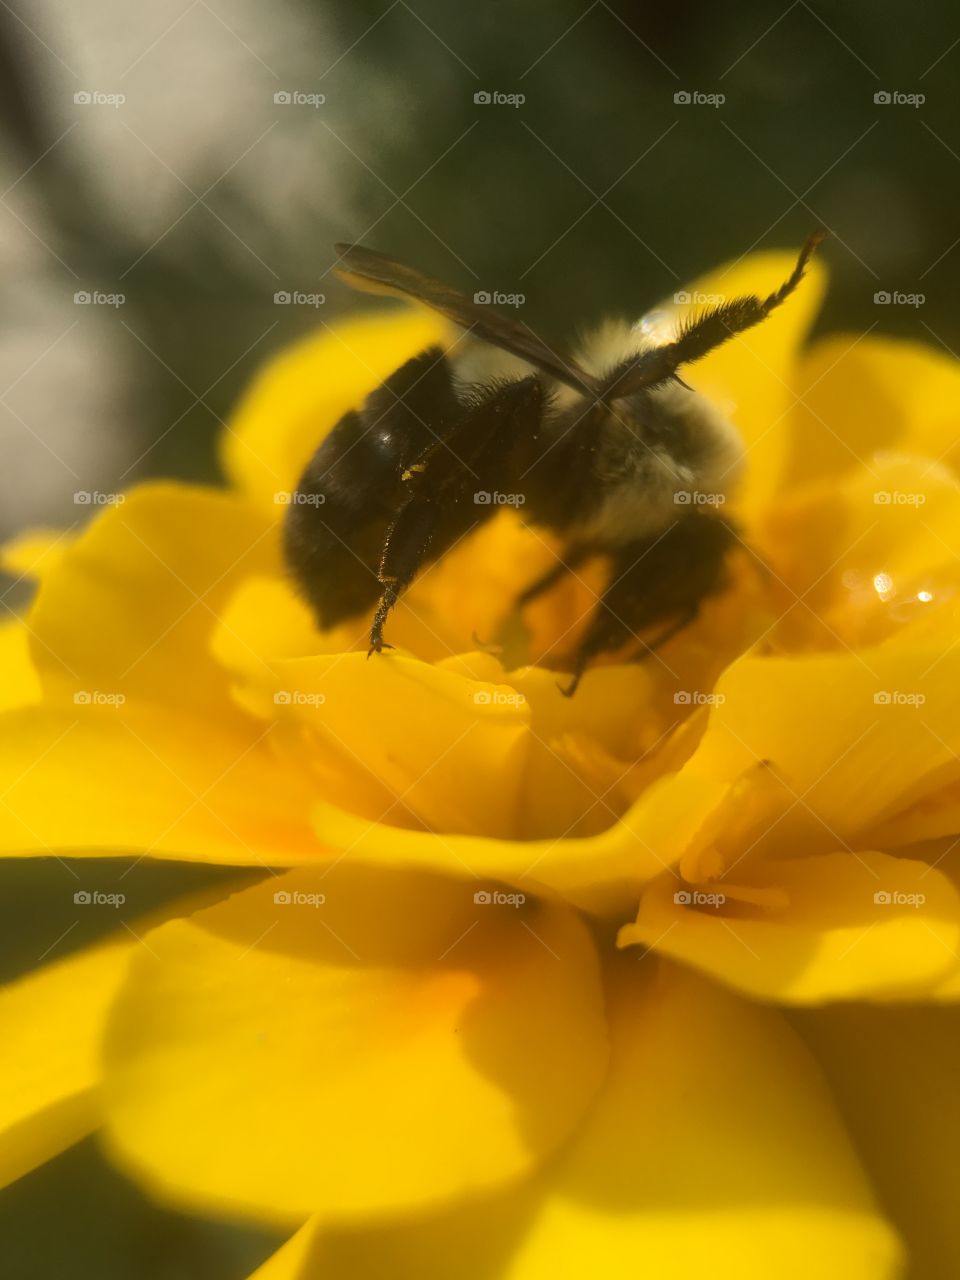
[
  {"x": 606, "y": 632},
  {"x": 579, "y": 667},
  {"x": 404, "y": 551},
  {"x": 658, "y": 582}
]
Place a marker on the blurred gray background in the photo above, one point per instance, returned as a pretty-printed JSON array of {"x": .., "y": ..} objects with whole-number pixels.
[{"x": 181, "y": 163}]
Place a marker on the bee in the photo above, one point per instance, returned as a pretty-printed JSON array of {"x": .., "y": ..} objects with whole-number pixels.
[{"x": 607, "y": 447}]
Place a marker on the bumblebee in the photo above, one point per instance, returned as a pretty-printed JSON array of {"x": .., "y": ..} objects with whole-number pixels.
[{"x": 606, "y": 447}]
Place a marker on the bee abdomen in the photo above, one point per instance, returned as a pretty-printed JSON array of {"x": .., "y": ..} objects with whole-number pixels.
[{"x": 352, "y": 486}]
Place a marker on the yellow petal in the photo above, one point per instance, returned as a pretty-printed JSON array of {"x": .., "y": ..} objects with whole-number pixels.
[
  {"x": 51, "y": 1022},
  {"x": 752, "y": 376},
  {"x": 294, "y": 1259},
  {"x": 854, "y": 739},
  {"x": 714, "y": 1142},
  {"x": 538, "y": 763},
  {"x": 894, "y": 1073},
  {"x": 870, "y": 555},
  {"x": 839, "y": 926},
  {"x": 601, "y": 873},
  {"x": 714, "y": 1150},
  {"x": 300, "y": 395},
  {"x": 862, "y": 395},
  {"x": 129, "y": 607},
  {"x": 33, "y": 553},
  {"x": 393, "y": 1047},
  {"x": 120, "y": 780},
  {"x": 19, "y": 683},
  {"x": 416, "y": 731}
]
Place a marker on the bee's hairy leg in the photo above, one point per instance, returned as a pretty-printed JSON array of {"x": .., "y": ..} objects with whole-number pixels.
[{"x": 404, "y": 551}]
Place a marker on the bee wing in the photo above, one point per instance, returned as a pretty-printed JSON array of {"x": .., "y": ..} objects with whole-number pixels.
[{"x": 372, "y": 272}]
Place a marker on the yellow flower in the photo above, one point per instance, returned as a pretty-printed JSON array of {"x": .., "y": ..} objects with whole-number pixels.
[{"x": 661, "y": 976}]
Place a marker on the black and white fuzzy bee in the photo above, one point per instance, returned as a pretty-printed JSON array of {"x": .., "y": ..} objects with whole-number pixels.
[{"x": 604, "y": 447}]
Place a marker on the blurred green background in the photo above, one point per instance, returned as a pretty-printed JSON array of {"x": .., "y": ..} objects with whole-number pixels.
[{"x": 203, "y": 194}]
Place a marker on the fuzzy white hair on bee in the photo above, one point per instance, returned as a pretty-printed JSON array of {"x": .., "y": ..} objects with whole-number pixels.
[{"x": 605, "y": 446}]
